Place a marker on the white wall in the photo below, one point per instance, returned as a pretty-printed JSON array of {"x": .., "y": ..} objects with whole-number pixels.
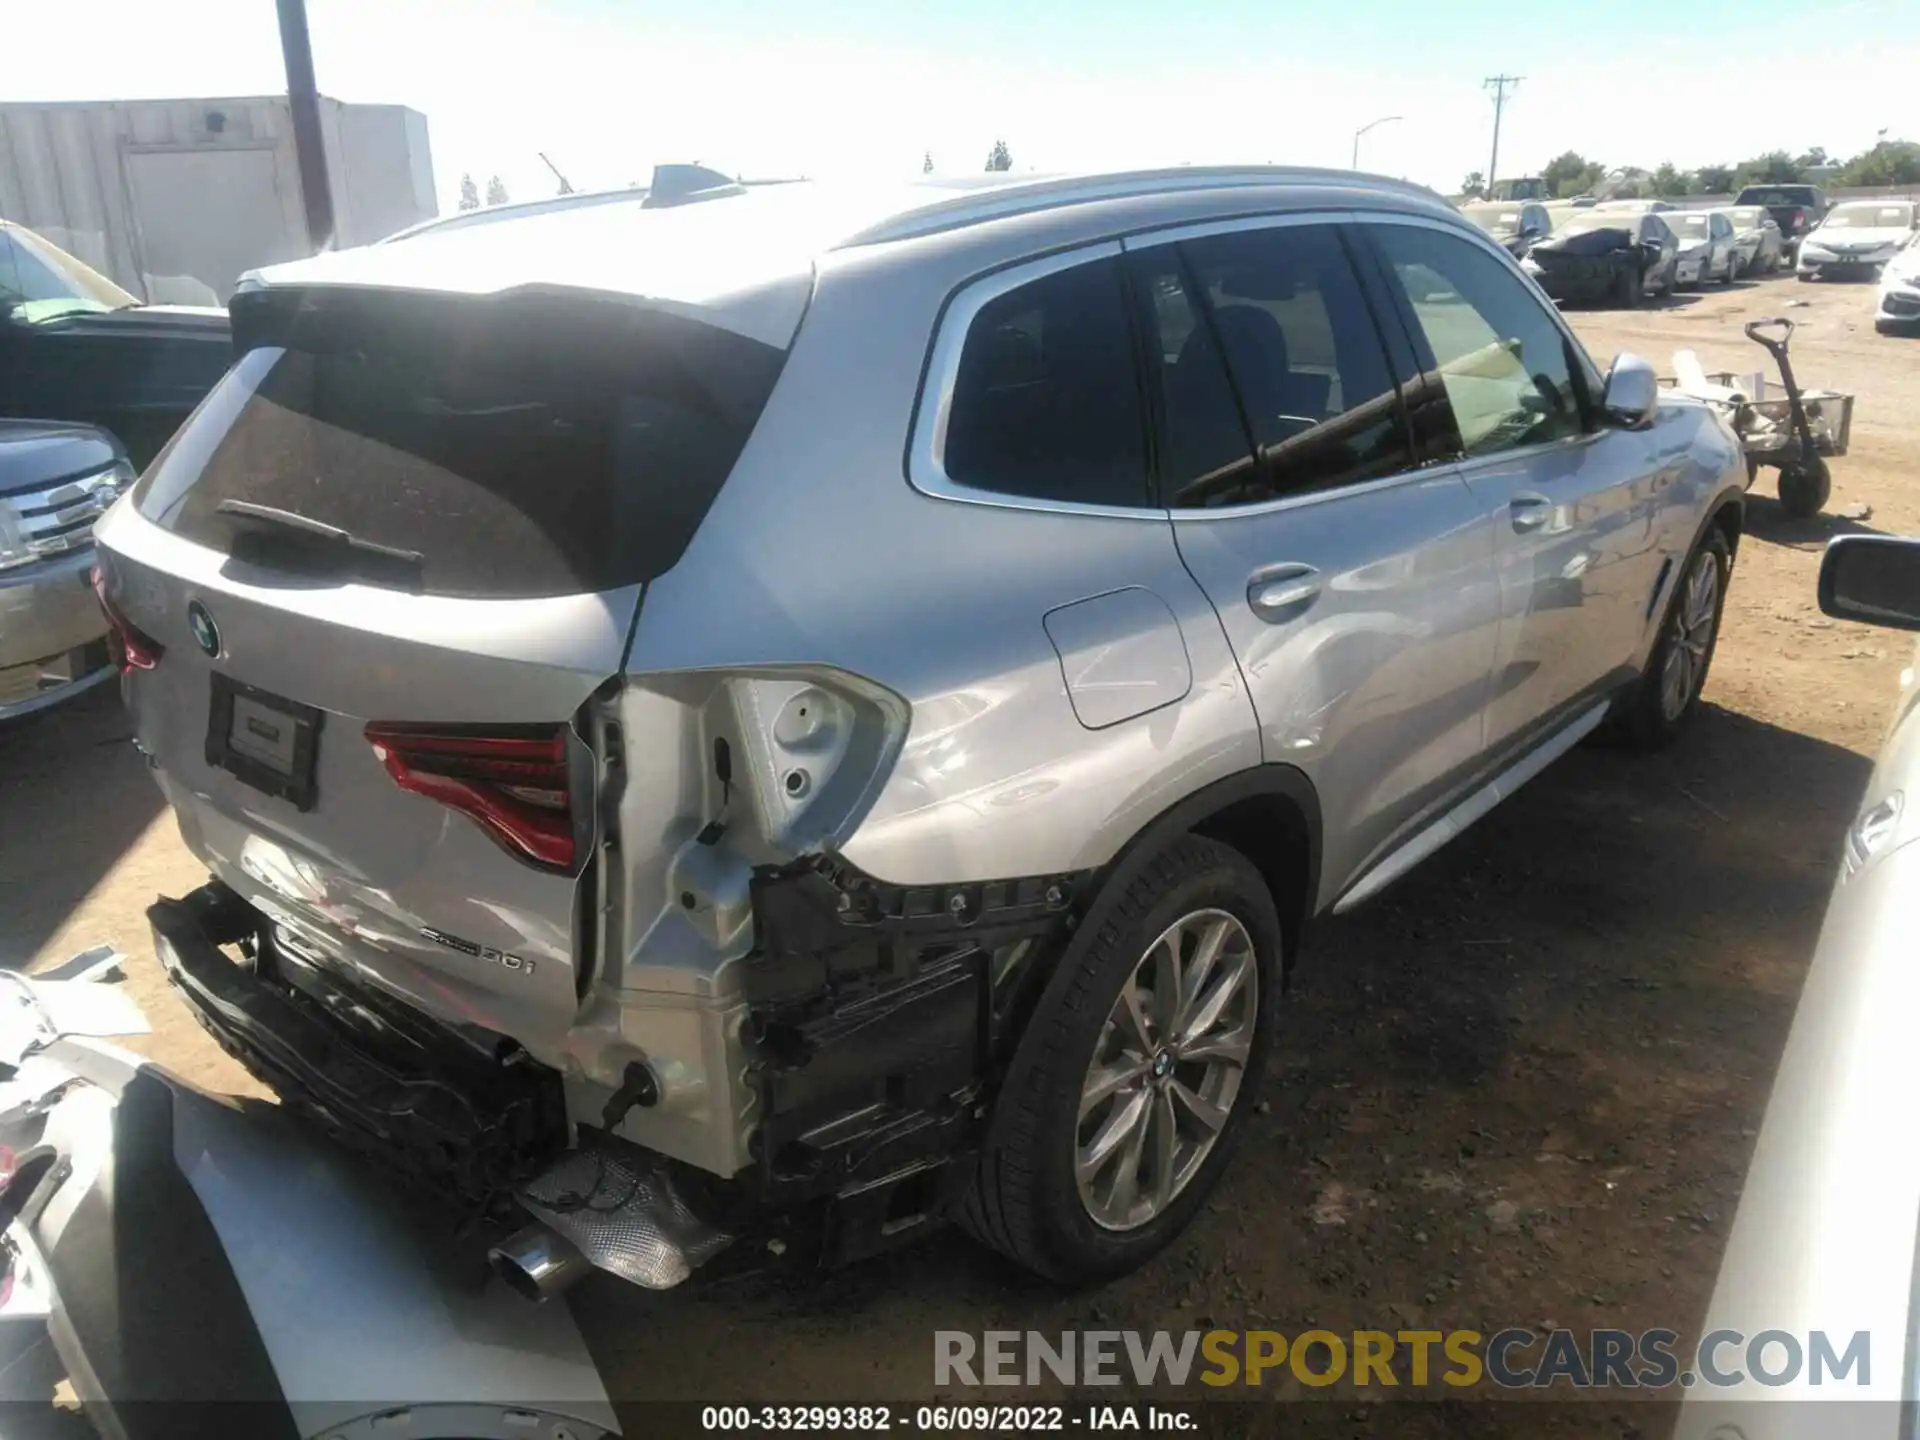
[{"x": 64, "y": 173}]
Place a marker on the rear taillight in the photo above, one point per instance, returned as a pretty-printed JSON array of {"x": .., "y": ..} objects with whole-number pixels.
[
  {"x": 510, "y": 779},
  {"x": 131, "y": 647}
]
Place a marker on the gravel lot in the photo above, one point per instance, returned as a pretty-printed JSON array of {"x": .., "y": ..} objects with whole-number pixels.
[{"x": 1520, "y": 1089}]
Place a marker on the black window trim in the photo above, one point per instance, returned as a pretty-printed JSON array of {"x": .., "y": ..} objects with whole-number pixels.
[
  {"x": 1589, "y": 383},
  {"x": 927, "y": 443},
  {"x": 1152, "y": 373},
  {"x": 1340, "y": 222}
]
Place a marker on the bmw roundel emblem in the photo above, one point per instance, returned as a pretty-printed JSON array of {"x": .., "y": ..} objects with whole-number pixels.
[{"x": 206, "y": 634}]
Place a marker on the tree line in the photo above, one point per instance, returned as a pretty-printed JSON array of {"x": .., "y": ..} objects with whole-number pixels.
[
  {"x": 470, "y": 193},
  {"x": 1889, "y": 162}
]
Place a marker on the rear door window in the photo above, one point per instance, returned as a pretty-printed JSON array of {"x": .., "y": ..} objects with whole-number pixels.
[
  {"x": 521, "y": 447},
  {"x": 1282, "y": 308},
  {"x": 1046, "y": 402}
]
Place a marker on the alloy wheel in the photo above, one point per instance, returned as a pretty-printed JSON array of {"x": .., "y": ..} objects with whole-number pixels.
[
  {"x": 1166, "y": 1069},
  {"x": 1690, "y": 637}
]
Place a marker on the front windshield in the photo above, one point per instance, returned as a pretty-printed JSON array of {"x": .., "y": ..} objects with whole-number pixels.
[
  {"x": 1746, "y": 217},
  {"x": 1690, "y": 226},
  {"x": 1495, "y": 219},
  {"x": 40, "y": 281},
  {"x": 1869, "y": 216}
]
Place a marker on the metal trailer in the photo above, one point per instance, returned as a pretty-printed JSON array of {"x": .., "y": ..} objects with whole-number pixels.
[
  {"x": 1794, "y": 431},
  {"x": 175, "y": 199}
]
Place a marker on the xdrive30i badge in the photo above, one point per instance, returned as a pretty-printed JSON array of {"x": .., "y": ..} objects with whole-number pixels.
[{"x": 479, "y": 952}]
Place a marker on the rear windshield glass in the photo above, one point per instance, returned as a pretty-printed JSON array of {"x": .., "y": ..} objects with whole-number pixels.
[{"x": 508, "y": 448}]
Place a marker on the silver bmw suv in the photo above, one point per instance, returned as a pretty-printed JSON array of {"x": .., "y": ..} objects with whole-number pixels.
[{"x": 769, "y": 718}]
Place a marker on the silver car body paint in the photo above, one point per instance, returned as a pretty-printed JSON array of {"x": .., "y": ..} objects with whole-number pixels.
[
  {"x": 1824, "y": 1239},
  {"x": 940, "y": 685}
]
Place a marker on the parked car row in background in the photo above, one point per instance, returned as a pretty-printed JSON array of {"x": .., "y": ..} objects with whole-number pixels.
[{"x": 1621, "y": 251}]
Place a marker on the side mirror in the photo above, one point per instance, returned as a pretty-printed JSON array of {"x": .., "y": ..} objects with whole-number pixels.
[
  {"x": 1632, "y": 397},
  {"x": 1874, "y": 579}
]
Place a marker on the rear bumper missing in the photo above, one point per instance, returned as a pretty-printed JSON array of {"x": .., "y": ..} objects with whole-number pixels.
[
  {"x": 468, "y": 1131},
  {"x": 879, "y": 1018}
]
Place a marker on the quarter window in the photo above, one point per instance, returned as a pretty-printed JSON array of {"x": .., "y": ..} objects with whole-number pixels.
[
  {"x": 1046, "y": 404},
  {"x": 1281, "y": 307},
  {"x": 1505, "y": 368}
]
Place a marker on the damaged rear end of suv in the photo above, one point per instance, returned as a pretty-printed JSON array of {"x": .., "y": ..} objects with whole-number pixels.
[{"x": 751, "y": 723}]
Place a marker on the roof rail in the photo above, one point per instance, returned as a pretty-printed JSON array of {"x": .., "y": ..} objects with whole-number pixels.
[{"x": 972, "y": 207}]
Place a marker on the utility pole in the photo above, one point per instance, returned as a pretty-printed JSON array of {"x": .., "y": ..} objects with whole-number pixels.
[
  {"x": 1499, "y": 84},
  {"x": 303, "y": 100}
]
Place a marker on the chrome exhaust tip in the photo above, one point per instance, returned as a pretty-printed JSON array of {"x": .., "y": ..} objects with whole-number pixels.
[{"x": 536, "y": 1263}]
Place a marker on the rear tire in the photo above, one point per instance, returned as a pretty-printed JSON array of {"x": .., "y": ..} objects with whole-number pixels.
[
  {"x": 1805, "y": 487},
  {"x": 1037, "y": 1197},
  {"x": 1654, "y": 712}
]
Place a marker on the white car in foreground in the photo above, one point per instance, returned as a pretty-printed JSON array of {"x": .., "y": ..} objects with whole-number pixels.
[
  {"x": 1814, "y": 1324},
  {"x": 1856, "y": 240},
  {"x": 1899, "y": 307}
]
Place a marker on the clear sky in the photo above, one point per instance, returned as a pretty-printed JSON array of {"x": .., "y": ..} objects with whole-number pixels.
[{"x": 778, "y": 88}]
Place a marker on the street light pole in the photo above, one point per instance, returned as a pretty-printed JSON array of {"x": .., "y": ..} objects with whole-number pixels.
[{"x": 1363, "y": 130}]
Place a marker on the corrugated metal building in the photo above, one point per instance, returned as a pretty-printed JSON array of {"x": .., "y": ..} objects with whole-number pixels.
[{"x": 175, "y": 199}]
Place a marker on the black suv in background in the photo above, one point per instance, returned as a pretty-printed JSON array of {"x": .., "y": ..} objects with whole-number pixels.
[
  {"x": 1796, "y": 209},
  {"x": 75, "y": 346}
]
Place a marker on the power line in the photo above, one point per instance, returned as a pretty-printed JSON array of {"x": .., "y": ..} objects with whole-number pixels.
[{"x": 1499, "y": 84}]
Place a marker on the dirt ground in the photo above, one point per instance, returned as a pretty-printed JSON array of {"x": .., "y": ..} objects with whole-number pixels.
[{"x": 1521, "y": 1089}]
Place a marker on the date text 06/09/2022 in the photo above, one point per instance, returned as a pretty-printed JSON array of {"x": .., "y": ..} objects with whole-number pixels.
[{"x": 937, "y": 1419}]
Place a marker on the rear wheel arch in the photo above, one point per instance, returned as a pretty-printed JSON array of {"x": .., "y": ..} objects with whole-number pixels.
[
  {"x": 1731, "y": 518},
  {"x": 1270, "y": 814}
]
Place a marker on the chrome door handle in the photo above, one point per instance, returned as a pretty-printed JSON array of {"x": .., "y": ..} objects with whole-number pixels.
[
  {"x": 1277, "y": 592},
  {"x": 1529, "y": 512}
]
